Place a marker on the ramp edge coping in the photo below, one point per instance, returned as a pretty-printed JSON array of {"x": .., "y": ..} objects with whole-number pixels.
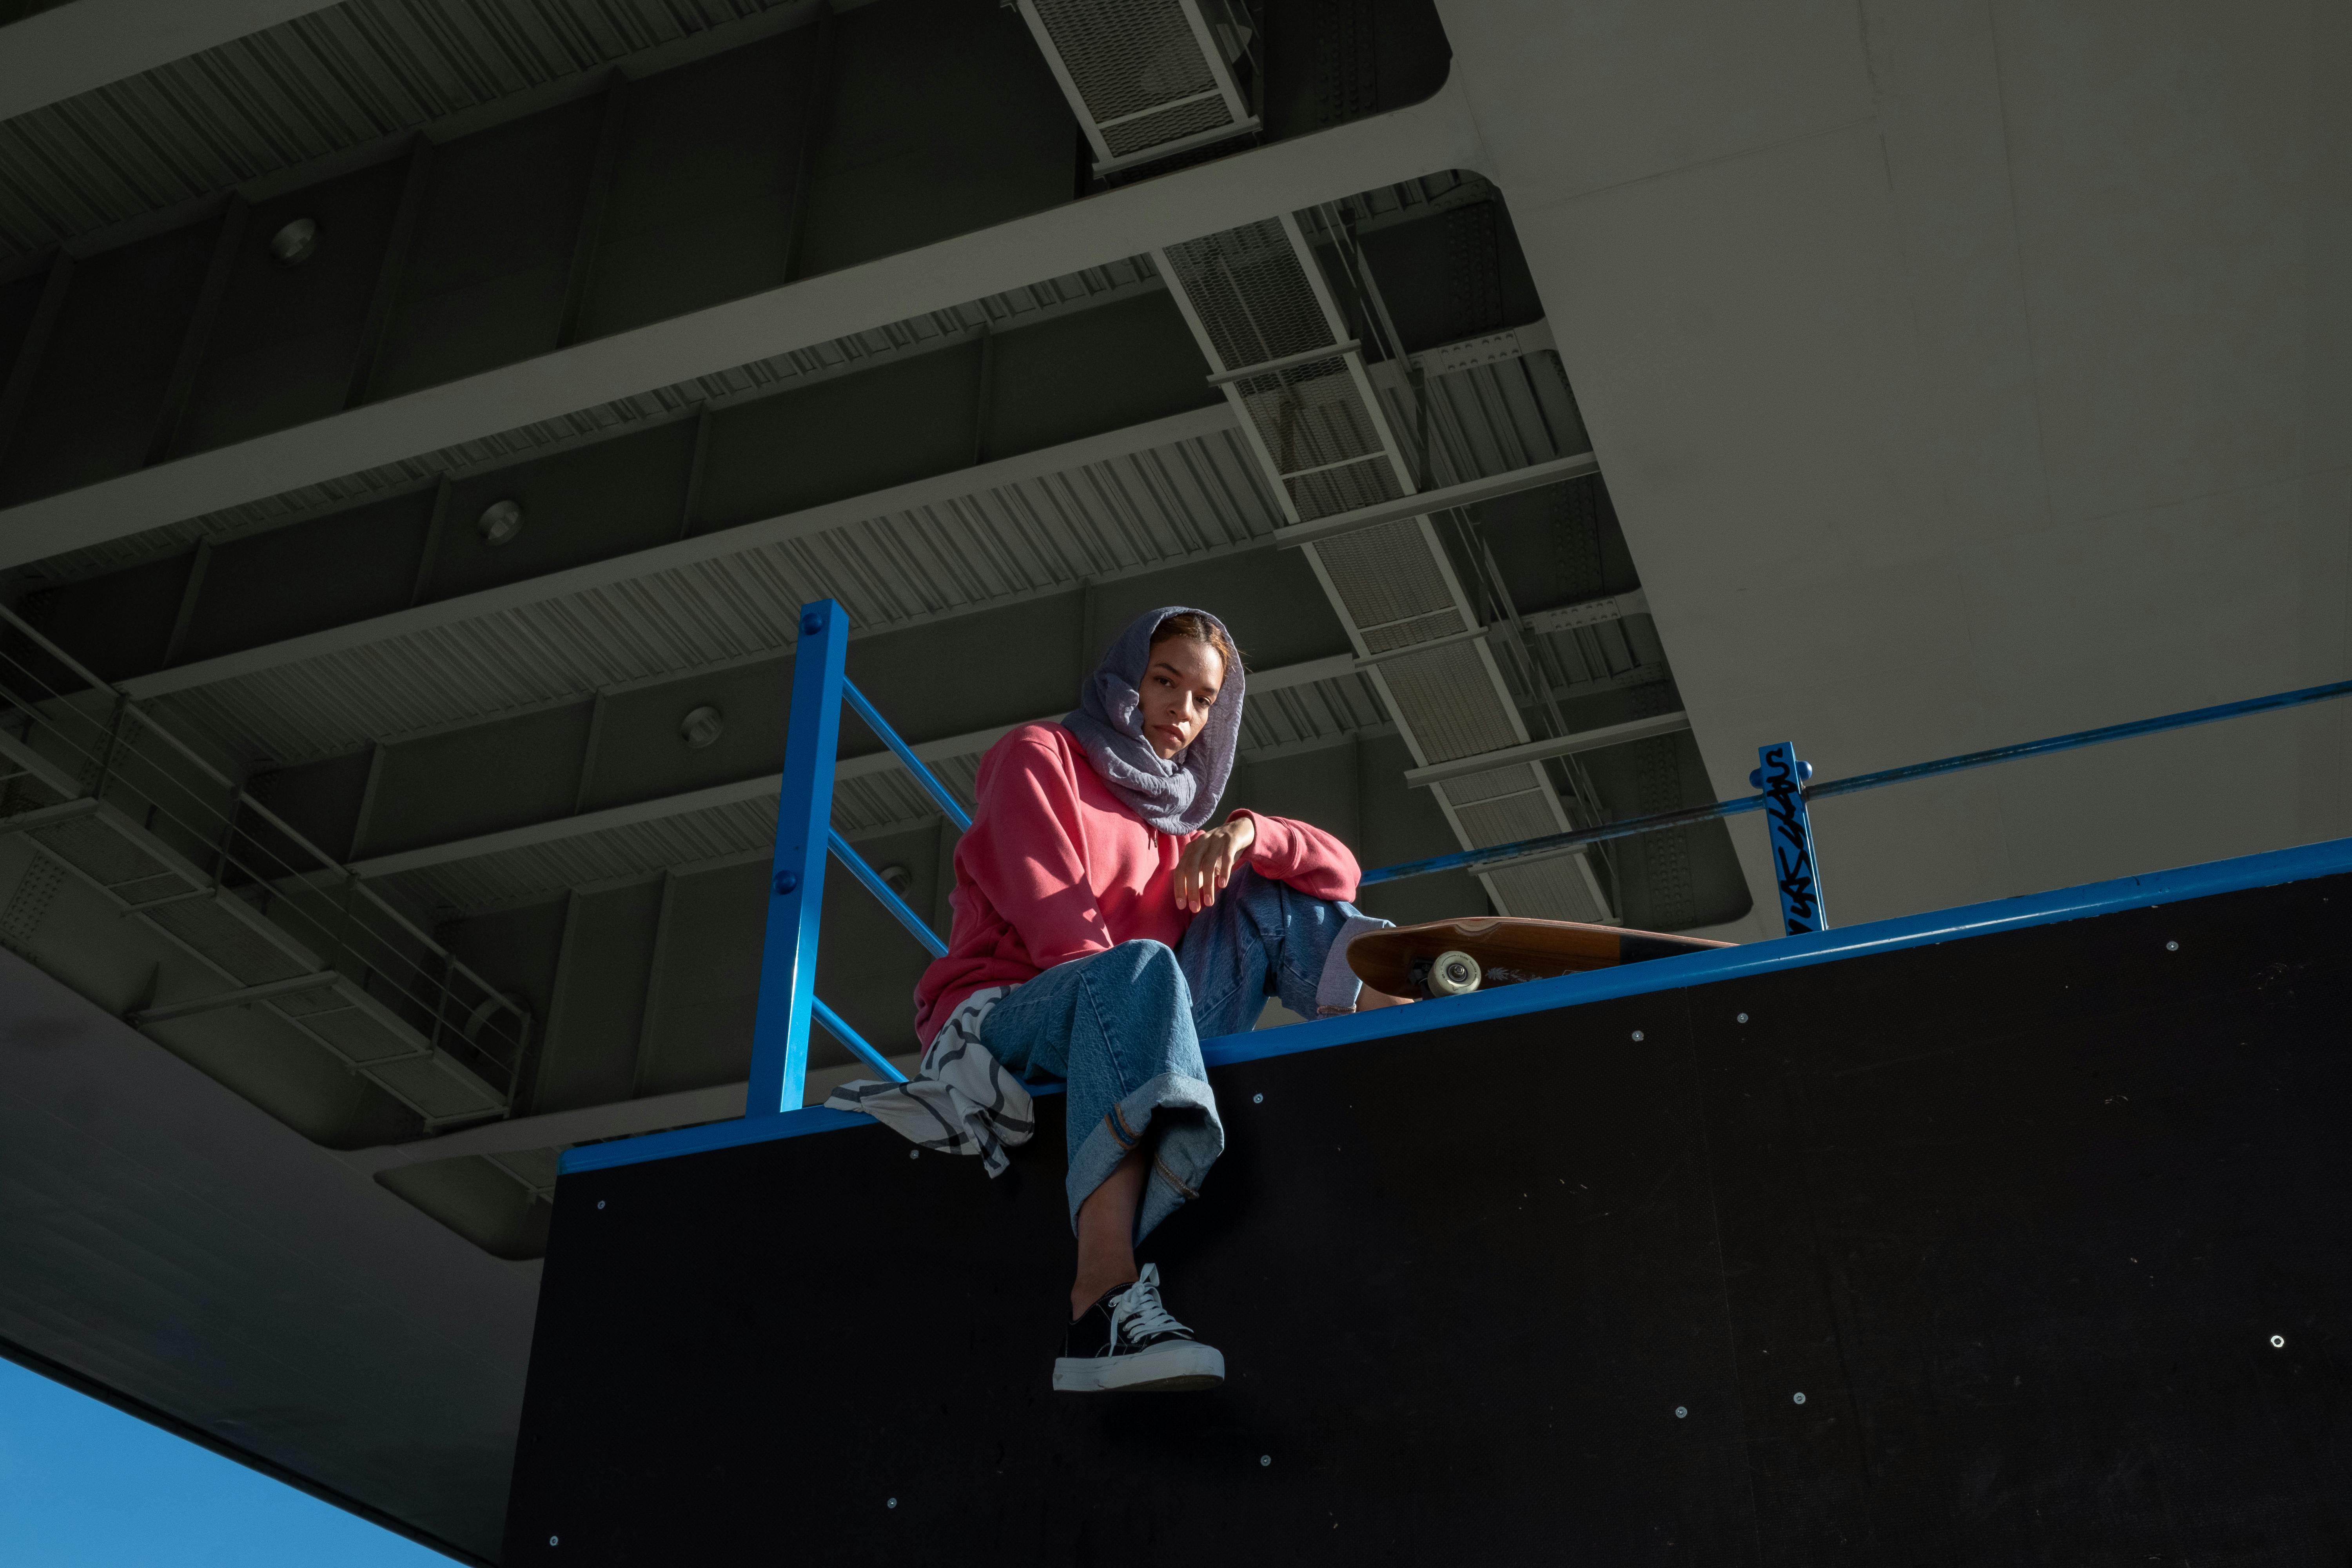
[{"x": 2271, "y": 868}]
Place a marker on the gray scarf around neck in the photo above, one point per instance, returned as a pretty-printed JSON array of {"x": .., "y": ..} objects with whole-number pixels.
[{"x": 1177, "y": 794}]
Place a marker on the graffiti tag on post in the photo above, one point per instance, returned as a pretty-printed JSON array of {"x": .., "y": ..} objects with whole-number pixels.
[{"x": 1782, "y": 777}]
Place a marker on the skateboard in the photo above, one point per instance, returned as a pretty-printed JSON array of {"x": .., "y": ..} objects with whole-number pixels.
[{"x": 1447, "y": 957}]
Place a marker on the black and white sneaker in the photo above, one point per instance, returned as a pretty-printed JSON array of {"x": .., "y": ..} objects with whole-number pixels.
[{"x": 1127, "y": 1343}]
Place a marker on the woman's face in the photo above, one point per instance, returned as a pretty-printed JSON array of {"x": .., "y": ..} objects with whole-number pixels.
[{"x": 1179, "y": 687}]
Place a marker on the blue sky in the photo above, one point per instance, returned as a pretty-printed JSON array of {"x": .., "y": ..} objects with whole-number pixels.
[{"x": 84, "y": 1486}]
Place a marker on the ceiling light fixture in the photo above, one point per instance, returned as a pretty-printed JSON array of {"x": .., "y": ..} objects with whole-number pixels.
[
  {"x": 293, "y": 244},
  {"x": 501, "y": 521},
  {"x": 700, "y": 728}
]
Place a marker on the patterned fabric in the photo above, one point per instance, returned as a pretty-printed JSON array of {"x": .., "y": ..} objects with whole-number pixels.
[{"x": 962, "y": 1102}]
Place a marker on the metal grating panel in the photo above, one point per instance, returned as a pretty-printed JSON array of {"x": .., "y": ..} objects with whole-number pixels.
[
  {"x": 1387, "y": 589},
  {"x": 104, "y": 856},
  {"x": 1128, "y": 57},
  {"x": 1145, "y": 75},
  {"x": 328, "y": 82},
  {"x": 1257, "y": 304},
  {"x": 353, "y": 1035},
  {"x": 437, "y": 1088},
  {"x": 211, "y": 929},
  {"x": 1177, "y": 123},
  {"x": 1250, "y": 296}
]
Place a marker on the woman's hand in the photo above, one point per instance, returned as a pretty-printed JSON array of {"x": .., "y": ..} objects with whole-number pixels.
[{"x": 1209, "y": 861}]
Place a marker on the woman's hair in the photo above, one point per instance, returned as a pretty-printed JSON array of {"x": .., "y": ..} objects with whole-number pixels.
[{"x": 1197, "y": 628}]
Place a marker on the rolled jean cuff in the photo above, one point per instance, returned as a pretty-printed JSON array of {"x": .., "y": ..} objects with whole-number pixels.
[
  {"x": 1191, "y": 1139},
  {"x": 1336, "y": 990}
]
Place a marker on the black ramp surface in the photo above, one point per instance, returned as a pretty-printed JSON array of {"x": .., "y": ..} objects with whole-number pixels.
[{"x": 2020, "y": 1217}]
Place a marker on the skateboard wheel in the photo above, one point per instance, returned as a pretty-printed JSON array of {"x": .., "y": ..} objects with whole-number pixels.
[{"x": 1454, "y": 973}]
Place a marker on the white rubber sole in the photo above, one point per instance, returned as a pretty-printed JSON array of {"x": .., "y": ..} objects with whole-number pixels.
[{"x": 1168, "y": 1368}]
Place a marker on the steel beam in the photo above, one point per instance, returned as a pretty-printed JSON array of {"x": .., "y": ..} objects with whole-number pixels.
[
  {"x": 1470, "y": 492},
  {"x": 1569, "y": 745},
  {"x": 1432, "y": 137},
  {"x": 1203, "y": 422},
  {"x": 49, "y": 57},
  {"x": 767, "y": 786},
  {"x": 239, "y": 998}
]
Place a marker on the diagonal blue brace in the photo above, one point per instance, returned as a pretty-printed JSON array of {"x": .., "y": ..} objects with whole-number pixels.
[
  {"x": 1782, "y": 778},
  {"x": 881, "y": 890},
  {"x": 838, "y": 1028},
  {"x": 923, "y": 775},
  {"x": 796, "y": 883}
]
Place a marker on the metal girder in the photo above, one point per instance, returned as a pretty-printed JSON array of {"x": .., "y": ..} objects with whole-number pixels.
[
  {"x": 1432, "y": 137},
  {"x": 244, "y": 996},
  {"x": 595, "y": 1123},
  {"x": 51, "y": 56},
  {"x": 766, "y": 786},
  {"x": 1469, "y": 492},
  {"x": 685, "y": 552},
  {"x": 1568, "y": 745},
  {"x": 1588, "y": 612}
]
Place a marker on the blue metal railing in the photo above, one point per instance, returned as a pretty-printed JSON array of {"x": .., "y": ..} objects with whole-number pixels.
[
  {"x": 805, "y": 838},
  {"x": 1788, "y": 794}
]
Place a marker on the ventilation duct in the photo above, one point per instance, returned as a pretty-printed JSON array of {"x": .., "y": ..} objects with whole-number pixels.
[
  {"x": 1324, "y": 423},
  {"x": 1150, "y": 77}
]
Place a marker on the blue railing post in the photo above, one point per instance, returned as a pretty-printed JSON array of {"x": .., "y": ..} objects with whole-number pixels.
[
  {"x": 1782, "y": 778},
  {"x": 780, "y": 1029}
]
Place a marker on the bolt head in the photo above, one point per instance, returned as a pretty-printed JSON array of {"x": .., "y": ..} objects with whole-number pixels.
[
  {"x": 1257, "y": 1100},
  {"x": 1265, "y": 1458},
  {"x": 786, "y": 881},
  {"x": 551, "y": 1540},
  {"x": 1681, "y": 1411},
  {"x": 892, "y": 1503},
  {"x": 600, "y": 1203},
  {"x": 2278, "y": 1342},
  {"x": 1743, "y": 1017},
  {"x": 812, "y": 624},
  {"x": 1801, "y": 1399},
  {"x": 914, "y": 1153},
  {"x": 1637, "y": 1033},
  {"x": 2172, "y": 947}
]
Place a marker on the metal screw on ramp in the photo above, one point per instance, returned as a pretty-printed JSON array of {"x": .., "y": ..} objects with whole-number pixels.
[
  {"x": 1265, "y": 1458},
  {"x": 1681, "y": 1411},
  {"x": 1801, "y": 1399},
  {"x": 1257, "y": 1100},
  {"x": 2278, "y": 1342}
]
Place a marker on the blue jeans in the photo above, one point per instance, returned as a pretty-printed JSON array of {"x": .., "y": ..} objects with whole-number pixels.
[{"x": 1123, "y": 1028}]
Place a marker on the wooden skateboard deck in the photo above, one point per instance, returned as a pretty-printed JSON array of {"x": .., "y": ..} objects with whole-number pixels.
[{"x": 1500, "y": 950}]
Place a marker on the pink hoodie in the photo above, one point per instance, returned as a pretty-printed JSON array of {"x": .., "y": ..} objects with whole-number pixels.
[{"x": 1056, "y": 867}]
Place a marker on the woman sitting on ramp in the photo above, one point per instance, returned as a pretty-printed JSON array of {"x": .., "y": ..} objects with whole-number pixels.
[{"x": 1099, "y": 933}]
